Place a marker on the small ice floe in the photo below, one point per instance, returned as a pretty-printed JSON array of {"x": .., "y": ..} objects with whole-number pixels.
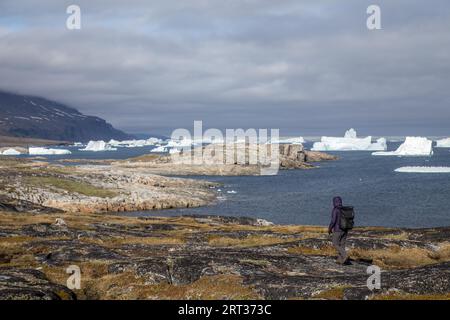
[
  {"x": 413, "y": 146},
  {"x": 10, "y": 152},
  {"x": 47, "y": 151},
  {"x": 232, "y": 192},
  {"x": 96, "y": 146},
  {"x": 423, "y": 169},
  {"x": 350, "y": 142},
  {"x": 443, "y": 143},
  {"x": 160, "y": 149}
]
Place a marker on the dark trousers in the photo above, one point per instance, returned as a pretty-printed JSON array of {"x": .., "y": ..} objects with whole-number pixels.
[{"x": 339, "y": 239}]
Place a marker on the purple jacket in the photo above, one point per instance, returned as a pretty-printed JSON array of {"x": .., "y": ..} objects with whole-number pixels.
[{"x": 335, "y": 224}]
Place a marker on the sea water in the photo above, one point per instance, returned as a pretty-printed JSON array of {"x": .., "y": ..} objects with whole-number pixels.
[{"x": 381, "y": 196}]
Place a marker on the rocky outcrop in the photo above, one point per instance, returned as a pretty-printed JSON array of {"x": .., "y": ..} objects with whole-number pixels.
[
  {"x": 161, "y": 255},
  {"x": 29, "y": 284},
  {"x": 87, "y": 189},
  {"x": 215, "y": 159},
  {"x": 317, "y": 156}
]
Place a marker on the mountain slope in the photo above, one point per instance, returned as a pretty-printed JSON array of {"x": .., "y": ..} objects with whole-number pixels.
[{"x": 34, "y": 117}]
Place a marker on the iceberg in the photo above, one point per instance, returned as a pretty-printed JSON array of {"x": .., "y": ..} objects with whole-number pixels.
[
  {"x": 10, "y": 152},
  {"x": 134, "y": 143},
  {"x": 181, "y": 143},
  {"x": 153, "y": 141},
  {"x": 97, "y": 146},
  {"x": 413, "y": 146},
  {"x": 423, "y": 169},
  {"x": 350, "y": 142},
  {"x": 296, "y": 140},
  {"x": 115, "y": 143},
  {"x": 443, "y": 143},
  {"x": 47, "y": 152}
]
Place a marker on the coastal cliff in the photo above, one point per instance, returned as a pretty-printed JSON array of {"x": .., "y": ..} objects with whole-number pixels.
[{"x": 24, "y": 116}]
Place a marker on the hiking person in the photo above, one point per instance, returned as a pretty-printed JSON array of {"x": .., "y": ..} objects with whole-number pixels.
[{"x": 341, "y": 223}]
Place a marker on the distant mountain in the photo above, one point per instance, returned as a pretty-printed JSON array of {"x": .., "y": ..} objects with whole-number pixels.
[{"x": 34, "y": 117}]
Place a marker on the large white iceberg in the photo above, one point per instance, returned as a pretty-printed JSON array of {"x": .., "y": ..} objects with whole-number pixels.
[
  {"x": 350, "y": 142},
  {"x": 423, "y": 169},
  {"x": 10, "y": 152},
  {"x": 443, "y": 143},
  {"x": 97, "y": 146},
  {"x": 38, "y": 151},
  {"x": 413, "y": 146}
]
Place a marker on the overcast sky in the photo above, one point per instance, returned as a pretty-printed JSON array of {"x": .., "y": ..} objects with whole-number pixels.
[{"x": 307, "y": 67}]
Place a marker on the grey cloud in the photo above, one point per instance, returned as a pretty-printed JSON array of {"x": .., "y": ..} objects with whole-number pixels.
[{"x": 304, "y": 66}]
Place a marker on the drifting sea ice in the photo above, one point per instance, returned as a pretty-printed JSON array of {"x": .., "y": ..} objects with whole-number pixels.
[
  {"x": 47, "y": 152},
  {"x": 10, "y": 152},
  {"x": 97, "y": 146},
  {"x": 296, "y": 140},
  {"x": 181, "y": 143},
  {"x": 423, "y": 169},
  {"x": 134, "y": 143},
  {"x": 443, "y": 143},
  {"x": 350, "y": 142},
  {"x": 160, "y": 149},
  {"x": 413, "y": 146}
]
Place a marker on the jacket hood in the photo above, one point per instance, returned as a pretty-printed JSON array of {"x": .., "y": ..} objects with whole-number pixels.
[{"x": 337, "y": 202}]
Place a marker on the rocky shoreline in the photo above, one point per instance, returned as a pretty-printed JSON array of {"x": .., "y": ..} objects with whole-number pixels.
[
  {"x": 200, "y": 257},
  {"x": 138, "y": 184},
  {"x": 38, "y": 186},
  {"x": 213, "y": 161}
]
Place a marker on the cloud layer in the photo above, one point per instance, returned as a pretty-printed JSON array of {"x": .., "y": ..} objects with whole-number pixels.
[{"x": 306, "y": 67}]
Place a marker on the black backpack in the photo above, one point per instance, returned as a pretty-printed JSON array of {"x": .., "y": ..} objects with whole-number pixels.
[{"x": 347, "y": 219}]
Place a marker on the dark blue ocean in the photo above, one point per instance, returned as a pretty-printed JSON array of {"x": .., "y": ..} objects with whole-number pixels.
[{"x": 381, "y": 197}]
